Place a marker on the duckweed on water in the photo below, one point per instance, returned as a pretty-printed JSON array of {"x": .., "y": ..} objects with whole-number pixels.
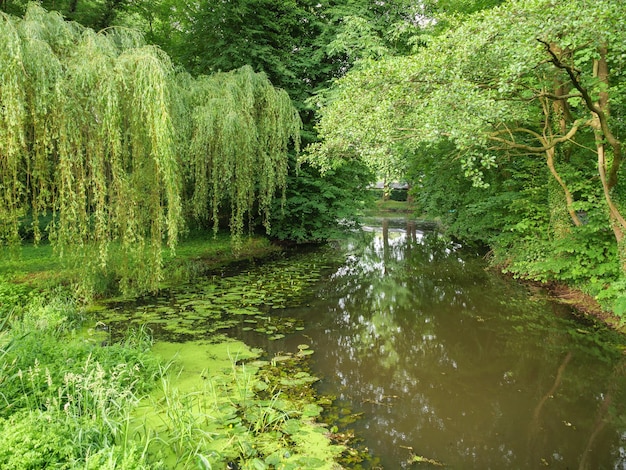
[{"x": 218, "y": 405}]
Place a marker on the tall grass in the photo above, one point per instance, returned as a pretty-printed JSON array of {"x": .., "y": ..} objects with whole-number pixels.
[{"x": 65, "y": 402}]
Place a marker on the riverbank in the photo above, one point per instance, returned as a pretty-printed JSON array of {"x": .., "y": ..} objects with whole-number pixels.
[
  {"x": 584, "y": 304},
  {"x": 160, "y": 408}
]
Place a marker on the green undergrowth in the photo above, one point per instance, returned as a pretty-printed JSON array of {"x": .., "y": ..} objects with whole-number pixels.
[{"x": 65, "y": 399}]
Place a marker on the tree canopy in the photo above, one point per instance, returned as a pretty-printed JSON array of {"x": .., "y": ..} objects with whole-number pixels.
[
  {"x": 98, "y": 134},
  {"x": 505, "y": 116},
  {"x": 528, "y": 82}
]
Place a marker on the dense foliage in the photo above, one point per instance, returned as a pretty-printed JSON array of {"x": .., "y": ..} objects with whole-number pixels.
[
  {"x": 505, "y": 117},
  {"x": 66, "y": 401},
  {"x": 319, "y": 206},
  {"x": 525, "y": 102},
  {"x": 101, "y": 135}
]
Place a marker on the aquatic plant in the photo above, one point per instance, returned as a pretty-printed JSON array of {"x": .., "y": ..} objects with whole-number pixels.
[
  {"x": 210, "y": 304},
  {"x": 217, "y": 405}
]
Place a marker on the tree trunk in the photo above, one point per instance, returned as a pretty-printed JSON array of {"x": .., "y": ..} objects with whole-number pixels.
[
  {"x": 569, "y": 199},
  {"x": 608, "y": 173},
  {"x": 603, "y": 135}
]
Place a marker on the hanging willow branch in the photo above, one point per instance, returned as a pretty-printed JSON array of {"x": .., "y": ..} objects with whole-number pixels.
[
  {"x": 241, "y": 129},
  {"x": 86, "y": 133},
  {"x": 97, "y": 133}
]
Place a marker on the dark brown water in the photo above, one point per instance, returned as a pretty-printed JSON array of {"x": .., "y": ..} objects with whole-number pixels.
[{"x": 457, "y": 365}]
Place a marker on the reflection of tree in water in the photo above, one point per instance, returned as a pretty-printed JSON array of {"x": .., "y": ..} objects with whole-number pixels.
[{"x": 443, "y": 355}]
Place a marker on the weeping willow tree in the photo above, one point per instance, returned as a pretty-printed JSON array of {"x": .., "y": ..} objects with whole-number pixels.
[
  {"x": 97, "y": 134},
  {"x": 86, "y": 137},
  {"x": 241, "y": 128}
]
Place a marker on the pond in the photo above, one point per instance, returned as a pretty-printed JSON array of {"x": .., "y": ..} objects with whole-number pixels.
[{"x": 437, "y": 360}]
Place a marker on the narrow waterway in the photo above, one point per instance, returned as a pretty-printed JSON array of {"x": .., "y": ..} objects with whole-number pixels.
[
  {"x": 445, "y": 361},
  {"x": 431, "y": 356}
]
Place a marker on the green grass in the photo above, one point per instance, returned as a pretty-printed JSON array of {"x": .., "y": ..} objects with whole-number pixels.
[
  {"x": 30, "y": 263},
  {"x": 37, "y": 267},
  {"x": 214, "y": 252},
  {"x": 391, "y": 206},
  {"x": 64, "y": 399}
]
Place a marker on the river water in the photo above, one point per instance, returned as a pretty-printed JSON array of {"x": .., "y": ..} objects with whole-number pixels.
[
  {"x": 430, "y": 355},
  {"x": 442, "y": 360}
]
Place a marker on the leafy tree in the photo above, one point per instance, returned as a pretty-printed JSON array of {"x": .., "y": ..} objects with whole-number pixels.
[
  {"x": 96, "y": 130},
  {"x": 96, "y": 14},
  {"x": 238, "y": 145},
  {"x": 319, "y": 207},
  {"x": 533, "y": 81}
]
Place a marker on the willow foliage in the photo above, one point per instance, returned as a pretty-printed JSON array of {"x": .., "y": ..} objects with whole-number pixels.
[
  {"x": 97, "y": 134},
  {"x": 241, "y": 129},
  {"x": 86, "y": 135}
]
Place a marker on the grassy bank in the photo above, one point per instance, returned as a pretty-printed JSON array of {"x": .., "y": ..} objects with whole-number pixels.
[
  {"x": 385, "y": 207},
  {"x": 69, "y": 400},
  {"x": 65, "y": 399}
]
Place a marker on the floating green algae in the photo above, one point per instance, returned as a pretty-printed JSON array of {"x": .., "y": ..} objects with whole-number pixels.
[{"x": 217, "y": 405}]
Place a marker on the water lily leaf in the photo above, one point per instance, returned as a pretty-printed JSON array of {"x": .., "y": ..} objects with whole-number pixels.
[
  {"x": 306, "y": 352},
  {"x": 291, "y": 426},
  {"x": 311, "y": 410},
  {"x": 274, "y": 459},
  {"x": 260, "y": 385},
  {"x": 258, "y": 464},
  {"x": 242, "y": 311}
]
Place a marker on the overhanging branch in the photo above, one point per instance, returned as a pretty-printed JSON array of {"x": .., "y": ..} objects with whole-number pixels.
[{"x": 547, "y": 145}]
